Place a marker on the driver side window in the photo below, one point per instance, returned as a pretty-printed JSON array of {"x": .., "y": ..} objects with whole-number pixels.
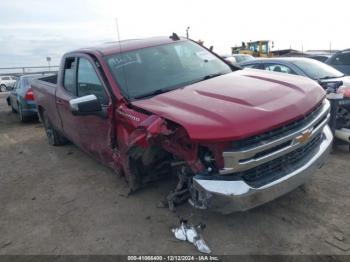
[
  {"x": 88, "y": 82},
  {"x": 69, "y": 75}
]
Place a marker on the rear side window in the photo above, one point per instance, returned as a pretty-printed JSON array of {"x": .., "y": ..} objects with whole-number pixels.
[
  {"x": 69, "y": 75},
  {"x": 6, "y": 78},
  {"x": 89, "y": 83}
]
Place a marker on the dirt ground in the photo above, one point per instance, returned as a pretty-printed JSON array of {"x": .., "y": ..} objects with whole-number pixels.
[{"x": 58, "y": 200}]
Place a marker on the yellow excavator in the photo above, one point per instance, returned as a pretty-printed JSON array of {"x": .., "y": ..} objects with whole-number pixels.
[{"x": 260, "y": 48}]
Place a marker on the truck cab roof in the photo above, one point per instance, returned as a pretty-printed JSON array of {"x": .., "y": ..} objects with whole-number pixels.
[{"x": 110, "y": 48}]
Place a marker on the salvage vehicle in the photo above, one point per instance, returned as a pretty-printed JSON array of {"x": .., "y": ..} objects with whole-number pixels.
[
  {"x": 156, "y": 107},
  {"x": 332, "y": 80},
  {"x": 21, "y": 99}
]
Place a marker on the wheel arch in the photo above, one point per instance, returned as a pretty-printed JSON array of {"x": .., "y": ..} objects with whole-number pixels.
[{"x": 41, "y": 110}]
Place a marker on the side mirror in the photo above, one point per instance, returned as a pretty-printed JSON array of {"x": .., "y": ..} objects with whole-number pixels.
[{"x": 85, "y": 105}]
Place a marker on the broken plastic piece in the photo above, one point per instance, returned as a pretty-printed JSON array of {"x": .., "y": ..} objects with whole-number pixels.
[
  {"x": 179, "y": 234},
  {"x": 190, "y": 233},
  {"x": 202, "y": 246}
]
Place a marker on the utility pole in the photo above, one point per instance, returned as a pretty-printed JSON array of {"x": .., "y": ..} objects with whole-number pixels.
[
  {"x": 187, "y": 29},
  {"x": 48, "y": 59},
  {"x": 330, "y": 48}
]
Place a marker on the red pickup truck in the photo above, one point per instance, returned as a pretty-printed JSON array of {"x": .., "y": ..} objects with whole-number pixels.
[{"x": 157, "y": 107}]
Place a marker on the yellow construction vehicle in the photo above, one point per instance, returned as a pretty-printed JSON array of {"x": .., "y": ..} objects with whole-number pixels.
[{"x": 261, "y": 48}]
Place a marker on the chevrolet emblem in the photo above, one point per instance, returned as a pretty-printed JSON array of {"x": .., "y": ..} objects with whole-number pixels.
[{"x": 304, "y": 136}]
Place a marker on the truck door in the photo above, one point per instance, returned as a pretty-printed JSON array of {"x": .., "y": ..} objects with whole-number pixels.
[{"x": 91, "y": 133}]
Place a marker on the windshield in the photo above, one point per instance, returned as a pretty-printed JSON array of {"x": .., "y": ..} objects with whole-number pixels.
[
  {"x": 163, "y": 68},
  {"x": 317, "y": 70}
]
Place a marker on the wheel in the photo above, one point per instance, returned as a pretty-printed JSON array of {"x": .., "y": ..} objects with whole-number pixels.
[
  {"x": 54, "y": 138},
  {"x": 3, "y": 88}
]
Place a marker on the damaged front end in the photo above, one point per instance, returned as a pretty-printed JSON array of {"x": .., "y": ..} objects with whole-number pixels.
[
  {"x": 231, "y": 175},
  {"x": 158, "y": 148}
]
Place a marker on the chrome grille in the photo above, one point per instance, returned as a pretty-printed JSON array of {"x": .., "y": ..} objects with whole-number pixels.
[
  {"x": 279, "y": 167},
  {"x": 278, "y": 132},
  {"x": 277, "y": 143}
]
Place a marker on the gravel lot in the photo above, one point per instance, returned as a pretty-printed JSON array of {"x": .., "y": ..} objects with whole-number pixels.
[{"x": 58, "y": 200}]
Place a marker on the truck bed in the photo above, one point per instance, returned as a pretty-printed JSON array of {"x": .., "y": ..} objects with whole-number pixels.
[
  {"x": 52, "y": 79},
  {"x": 45, "y": 96}
]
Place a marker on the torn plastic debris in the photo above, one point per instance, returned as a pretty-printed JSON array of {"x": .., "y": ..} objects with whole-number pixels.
[{"x": 190, "y": 233}]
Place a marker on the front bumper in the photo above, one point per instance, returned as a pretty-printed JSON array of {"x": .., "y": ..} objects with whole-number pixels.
[{"x": 230, "y": 196}]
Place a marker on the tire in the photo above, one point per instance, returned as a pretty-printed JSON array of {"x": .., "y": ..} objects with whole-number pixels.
[
  {"x": 3, "y": 88},
  {"x": 54, "y": 137}
]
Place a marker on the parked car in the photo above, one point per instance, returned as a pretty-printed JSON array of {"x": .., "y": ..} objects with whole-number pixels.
[
  {"x": 302, "y": 66},
  {"x": 155, "y": 107},
  {"x": 7, "y": 83},
  {"x": 21, "y": 98},
  {"x": 328, "y": 77},
  {"x": 320, "y": 57},
  {"x": 340, "y": 61},
  {"x": 237, "y": 58}
]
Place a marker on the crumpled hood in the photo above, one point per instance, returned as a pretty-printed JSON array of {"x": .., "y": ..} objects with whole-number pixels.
[{"x": 237, "y": 105}]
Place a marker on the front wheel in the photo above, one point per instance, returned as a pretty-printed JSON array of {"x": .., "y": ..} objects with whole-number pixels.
[
  {"x": 3, "y": 88},
  {"x": 54, "y": 138}
]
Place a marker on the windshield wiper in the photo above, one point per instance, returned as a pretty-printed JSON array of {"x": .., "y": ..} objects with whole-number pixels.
[
  {"x": 164, "y": 90},
  {"x": 211, "y": 76},
  {"x": 153, "y": 93}
]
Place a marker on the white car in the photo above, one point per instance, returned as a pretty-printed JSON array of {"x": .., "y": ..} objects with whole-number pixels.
[{"x": 7, "y": 82}]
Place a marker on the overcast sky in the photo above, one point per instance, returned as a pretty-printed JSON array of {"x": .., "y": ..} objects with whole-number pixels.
[{"x": 31, "y": 30}]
